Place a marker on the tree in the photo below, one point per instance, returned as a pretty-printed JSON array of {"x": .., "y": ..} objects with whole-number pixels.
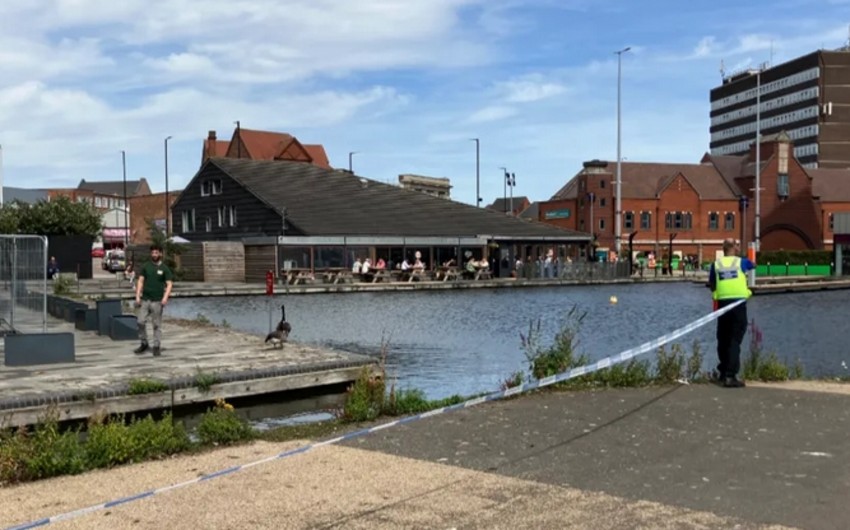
[
  {"x": 171, "y": 250},
  {"x": 58, "y": 217}
]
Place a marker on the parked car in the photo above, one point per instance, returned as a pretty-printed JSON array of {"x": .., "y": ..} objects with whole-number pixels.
[
  {"x": 97, "y": 252},
  {"x": 114, "y": 261}
]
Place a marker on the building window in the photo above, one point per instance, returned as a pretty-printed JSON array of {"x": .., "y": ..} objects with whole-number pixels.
[
  {"x": 602, "y": 202},
  {"x": 730, "y": 221},
  {"x": 831, "y": 223},
  {"x": 782, "y": 185},
  {"x": 602, "y": 183},
  {"x": 645, "y": 220},
  {"x": 208, "y": 224},
  {"x": 189, "y": 220},
  {"x": 629, "y": 220},
  {"x": 581, "y": 224},
  {"x": 233, "y": 216},
  {"x": 216, "y": 187},
  {"x": 222, "y": 213},
  {"x": 601, "y": 224},
  {"x": 678, "y": 221},
  {"x": 714, "y": 221}
]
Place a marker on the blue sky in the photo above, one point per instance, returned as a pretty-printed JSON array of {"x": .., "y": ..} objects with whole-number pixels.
[{"x": 405, "y": 83}]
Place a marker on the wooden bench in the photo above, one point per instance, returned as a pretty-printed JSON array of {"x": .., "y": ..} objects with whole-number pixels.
[{"x": 483, "y": 274}]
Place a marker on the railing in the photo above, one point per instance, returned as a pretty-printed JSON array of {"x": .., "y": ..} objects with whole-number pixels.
[
  {"x": 23, "y": 284},
  {"x": 574, "y": 271}
]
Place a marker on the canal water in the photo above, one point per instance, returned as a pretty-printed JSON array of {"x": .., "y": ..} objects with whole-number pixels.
[{"x": 468, "y": 341}]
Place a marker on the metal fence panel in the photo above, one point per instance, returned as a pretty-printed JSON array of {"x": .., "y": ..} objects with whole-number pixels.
[{"x": 23, "y": 284}]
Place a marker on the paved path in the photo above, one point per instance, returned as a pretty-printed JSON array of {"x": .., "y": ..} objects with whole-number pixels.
[
  {"x": 188, "y": 348},
  {"x": 683, "y": 457}
]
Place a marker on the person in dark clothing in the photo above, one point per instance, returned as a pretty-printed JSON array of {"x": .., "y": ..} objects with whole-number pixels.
[
  {"x": 52, "y": 268},
  {"x": 728, "y": 283},
  {"x": 153, "y": 289}
]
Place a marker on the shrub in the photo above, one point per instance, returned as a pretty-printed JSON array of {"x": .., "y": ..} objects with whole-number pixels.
[
  {"x": 204, "y": 381},
  {"x": 221, "y": 425},
  {"x": 62, "y": 285},
  {"x": 762, "y": 366},
  {"x": 109, "y": 443},
  {"x": 795, "y": 257},
  {"x": 513, "y": 380},
  {"x": 670, "y": 367},
  {"x": 560, "y": 356},
  {"x": 364, "y": 400},
  {"x": 154, "y": 439}
]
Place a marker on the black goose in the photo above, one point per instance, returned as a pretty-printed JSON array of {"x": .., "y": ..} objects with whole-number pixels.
[{"x": 281, "y": 333}]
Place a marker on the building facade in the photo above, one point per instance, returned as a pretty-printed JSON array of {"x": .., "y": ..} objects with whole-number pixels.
[
  {"x": 147, "y": 209},
  {"x": 700, "y": 205},
  {"x": 263, "y": 145},
  {"x": 103, "y": 195},
  {"x": 808, "y": 98}
]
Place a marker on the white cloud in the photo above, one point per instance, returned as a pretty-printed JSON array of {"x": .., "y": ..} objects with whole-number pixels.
[
  {"x": 530, "y": 89},
  {"x": 493, "y": 113}
]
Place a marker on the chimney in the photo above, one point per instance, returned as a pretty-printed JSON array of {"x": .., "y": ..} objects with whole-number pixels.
[{"x": 211, "y": 145}]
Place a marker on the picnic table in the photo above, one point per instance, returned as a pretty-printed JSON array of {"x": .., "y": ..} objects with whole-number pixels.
[
  {"x": 384, "y": 275},
  {"x": 447, "y": 273},
  {"x": 296, "y": 276}
]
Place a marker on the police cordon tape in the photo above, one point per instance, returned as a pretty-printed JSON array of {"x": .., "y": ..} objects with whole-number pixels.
[{"x": 601, "y": 364}]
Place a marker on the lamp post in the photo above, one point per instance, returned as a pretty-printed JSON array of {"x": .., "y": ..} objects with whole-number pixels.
[
  {"x": 126, "y": 224},
  {"x": 618, "y": 199},
  {"x": 512, "y": 184},
  {"x": 757, "y": 226},
  {"x": 167, "y": 205},
  {"x": 351, "y": 161},
  {"x": 505, "y": 190},
  {"x": 477, "y": 171}
]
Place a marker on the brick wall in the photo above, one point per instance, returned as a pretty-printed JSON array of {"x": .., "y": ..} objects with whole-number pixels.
[{"x": 145, "y": 208}]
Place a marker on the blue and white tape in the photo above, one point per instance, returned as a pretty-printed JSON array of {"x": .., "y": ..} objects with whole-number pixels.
[{"x": 501, "y": 394}]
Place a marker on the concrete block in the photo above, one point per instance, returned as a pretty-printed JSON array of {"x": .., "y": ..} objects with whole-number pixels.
[
  {"x": 106, "y": 309},
  {"x": 70, "y": 310},
  {"x": 86, "y": 319},
  {"x": 38, "y": 348},
  {"x": 124, "y": 327}
]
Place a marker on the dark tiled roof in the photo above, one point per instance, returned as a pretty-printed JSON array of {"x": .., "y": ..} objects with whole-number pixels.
[
  {"x": 532, "y": 212},
  {"x": 504, "y": 205},
  {"x": 831, "y": 185},
  {"x": 23, "y": 195},
  {"x": 730, "y": 167},
  {"x": 322, "y": 202},
  {"x": 569, "y": 191},
  {"x": 111, "y": 187}
]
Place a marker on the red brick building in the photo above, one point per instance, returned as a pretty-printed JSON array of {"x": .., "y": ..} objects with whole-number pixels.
[
  {"x": 147, "y": 208},
  {"x": 701, "y": 203},
  {"x": 264, "y": 145}
]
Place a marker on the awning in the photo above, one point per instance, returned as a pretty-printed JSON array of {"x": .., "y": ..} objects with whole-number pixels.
[{"x": 115, "y": 235}]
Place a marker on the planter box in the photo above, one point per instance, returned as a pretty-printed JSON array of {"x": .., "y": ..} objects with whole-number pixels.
[
  {"x": 124, "y": 327},
  {"x": 106, "y": 309},
  {"x": 38, "y": 348},
  {"x": 70, "y": 310},
  {"x": 86, "y": 319}
]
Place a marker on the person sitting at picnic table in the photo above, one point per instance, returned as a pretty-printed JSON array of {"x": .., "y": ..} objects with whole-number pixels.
[
  {"x": 405, "y": 269},
  {"x": 418, "y": 265},
  {"x": 356, "y": 268},
  {"x": 450, "y": 263},
  {"x": 364, "y": 270},
  {"x": 471, "y": 267},
  {"x": 381, "y": 264}
]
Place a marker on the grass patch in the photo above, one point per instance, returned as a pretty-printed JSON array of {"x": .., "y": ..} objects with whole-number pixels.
[
  {"x": 145, "y": 386},
  {"x": 759, "y": 365},
  {"x": 205, "y": 380},
  {"x": 220, "y": 425}
]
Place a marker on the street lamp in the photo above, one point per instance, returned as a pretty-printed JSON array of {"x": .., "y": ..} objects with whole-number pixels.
[
  {"x": 126, "y": 224},
  {"x": 350, "y": 161},
  {"x": 167, "y": 205},
  {"x": 619, "y": 204},
  {"x": 504, "y": 190},
  {"x": 477, "y": 171},
  {"x": 512, "y": 185}
]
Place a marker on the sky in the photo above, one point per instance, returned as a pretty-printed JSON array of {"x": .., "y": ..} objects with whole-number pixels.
[{"x": 404, "y": 83}]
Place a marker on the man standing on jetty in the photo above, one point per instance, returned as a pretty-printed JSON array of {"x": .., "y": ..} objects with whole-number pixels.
[
  {"x": 728, "y": 283},
  {"x": 152, "y": 291}
]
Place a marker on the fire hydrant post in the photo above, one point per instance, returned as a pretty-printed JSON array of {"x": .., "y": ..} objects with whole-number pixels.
[{"x": 270, "y": 283}]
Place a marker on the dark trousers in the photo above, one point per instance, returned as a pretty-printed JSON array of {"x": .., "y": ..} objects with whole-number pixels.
[{"x": 731, "y": 328}]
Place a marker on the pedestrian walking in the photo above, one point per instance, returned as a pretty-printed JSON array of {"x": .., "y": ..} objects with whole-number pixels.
[
  {"x": 728, "y": 282},
  {"x": 153, "y": 289}
]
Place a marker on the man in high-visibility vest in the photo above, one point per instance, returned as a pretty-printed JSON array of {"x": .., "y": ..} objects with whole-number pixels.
[{"x": 727, "y": 280}]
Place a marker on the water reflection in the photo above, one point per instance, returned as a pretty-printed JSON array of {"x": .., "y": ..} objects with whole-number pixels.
[{"x": 447, "y": 342}]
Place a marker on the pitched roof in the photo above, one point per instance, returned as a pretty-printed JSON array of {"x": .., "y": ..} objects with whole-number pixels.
[
  {"x": 264, "y": 145},
  {"x": 645, "y": 180},
  {"x": 504, "y": 205},
  {"x": 110, "y": 187},
  {"x": 220, "y": 147},
  {"x": 831, "y": 185},
  {"x": 322, "y": 202},
  {"x": 318, "y": 154},
  {"x": 729, "y": 166},
  {"x": 532, "y": 212},
  {"x": 568, "y": 191},
  {"x": 24, "y": 195}
]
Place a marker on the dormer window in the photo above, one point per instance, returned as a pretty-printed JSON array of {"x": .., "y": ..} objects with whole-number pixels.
[
  {"x": 783, "y": 186},
  {"x": 211, "y": 187}
]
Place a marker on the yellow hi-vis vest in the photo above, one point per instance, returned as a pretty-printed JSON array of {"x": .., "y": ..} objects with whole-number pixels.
[{"x": 730, "y": 280}]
